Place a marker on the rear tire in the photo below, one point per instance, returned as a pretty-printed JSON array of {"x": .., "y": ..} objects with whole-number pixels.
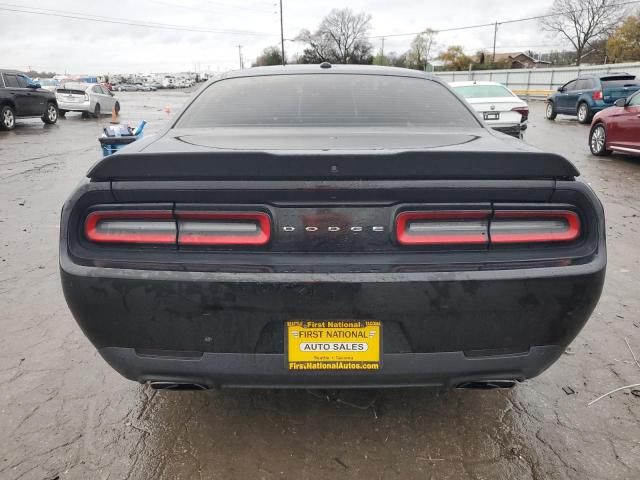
[
  {"x": 598, "y": 140},
  {"x": 550, "y": 111},
  {"x": 62, "y": 113},
  {"x": 51, "y": 114},
  {"x": 96, "y": 111},
  {"x": 7, "y": 118},
  {"x": 584, "y": 113}
]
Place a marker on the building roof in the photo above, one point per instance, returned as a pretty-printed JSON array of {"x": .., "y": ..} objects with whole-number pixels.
[{"x": 511, "y": 56}]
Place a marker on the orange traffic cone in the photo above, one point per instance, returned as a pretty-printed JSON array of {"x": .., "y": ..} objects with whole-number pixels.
[{"x": 114, "y": 116}]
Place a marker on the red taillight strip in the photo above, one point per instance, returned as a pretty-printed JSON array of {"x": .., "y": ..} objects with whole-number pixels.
[
  {"x": 502, "y": 217},
  {"x": 135, "y": 233},
  {"x": 189, "y": 232},
  {"x": 524, "y": 111},
  {"x": 445, "y": 231}
]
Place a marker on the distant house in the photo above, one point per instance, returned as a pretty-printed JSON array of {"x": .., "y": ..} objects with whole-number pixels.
[
  {"x": 513, "y": 60},
  {"x": 520, "y": 60}
]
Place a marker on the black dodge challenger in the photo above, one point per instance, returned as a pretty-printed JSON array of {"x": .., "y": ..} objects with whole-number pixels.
[{"x": 331, "y": 226}]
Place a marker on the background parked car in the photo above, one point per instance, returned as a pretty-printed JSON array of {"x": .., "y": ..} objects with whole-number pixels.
[
  {"x": 145, "y": 88},
  {"x": 502, "y": 109},
  {"x": 589, "y": 94},
  {"x": 125, "y": 87},
  {"x": 49, "y": 84},
  {"x": 88, "y": 98},
  {"x": 617, "y": 128},
  {"x": 21, "y": 97}
]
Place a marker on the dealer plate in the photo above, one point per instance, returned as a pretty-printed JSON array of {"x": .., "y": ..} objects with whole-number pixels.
[{"x": 333, "y": 345}]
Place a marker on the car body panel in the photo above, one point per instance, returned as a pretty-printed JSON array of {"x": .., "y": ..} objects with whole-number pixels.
[
  {"x": 83, "y": 97},
  {"x": 215, "y": 315},
  {"x": 622, "y": 125},
  {"x": 509, "y": 121},
  {"x": 27, "y": 101},
  {"x": 586, "y": 89}
]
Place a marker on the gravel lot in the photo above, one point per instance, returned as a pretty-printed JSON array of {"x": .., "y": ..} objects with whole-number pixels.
[{"x": 64, "y": 414}]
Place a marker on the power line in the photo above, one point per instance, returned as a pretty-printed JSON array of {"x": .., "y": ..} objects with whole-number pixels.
[
  {"x": 503, "y": 22},
  {"x": 200, "y": 8},
  {"x": 121, "y": 21}
]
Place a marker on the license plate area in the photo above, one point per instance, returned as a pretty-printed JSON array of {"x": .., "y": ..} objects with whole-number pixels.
[
  {"x": 492, "y": 115},
  {"x": 330, "y": 345}
]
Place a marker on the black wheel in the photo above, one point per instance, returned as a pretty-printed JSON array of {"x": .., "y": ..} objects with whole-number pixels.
[
  {"x": 7, "y": 118},
  {"x": 550, "y": 111},
  {"x": 51, "y": 114},
  {"x": 85, "y": 114},
  {"x": 584, "y": 114},
  {"x": 96, "y": 111},
  {"x": 62, "y": 113},
  {"x": 598, "y": 140}
]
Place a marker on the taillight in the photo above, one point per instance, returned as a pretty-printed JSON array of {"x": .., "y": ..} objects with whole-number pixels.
[
  {"x": 86, "y": 97},
  {"x": 534, "y": 226},
  {"x": 164, "y": 227},
  {"x": 597, "y": 95},
  {"x": 524, "y": 111},
  {"x": 223, "y": 228},
  {"x": 154, "y": 227},
  {"x": 443, "y": 227},
  {"x": 481, "y": 227}
]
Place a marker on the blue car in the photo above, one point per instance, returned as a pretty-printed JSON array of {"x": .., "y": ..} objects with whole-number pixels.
[{"x": 588, "y": 94}]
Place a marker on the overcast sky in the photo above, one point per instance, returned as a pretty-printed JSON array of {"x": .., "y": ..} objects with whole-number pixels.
[{"x": 59, "y": 44}]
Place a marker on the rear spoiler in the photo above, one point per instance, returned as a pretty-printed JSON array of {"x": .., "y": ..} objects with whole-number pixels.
[{"x": 251, "y": 165}]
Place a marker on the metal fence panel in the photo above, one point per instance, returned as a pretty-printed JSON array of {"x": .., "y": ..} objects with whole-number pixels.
[{"x": 538, "y": 82}]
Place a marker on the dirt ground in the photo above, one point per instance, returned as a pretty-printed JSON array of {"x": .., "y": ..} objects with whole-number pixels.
[{"x": 64, "y": 414}]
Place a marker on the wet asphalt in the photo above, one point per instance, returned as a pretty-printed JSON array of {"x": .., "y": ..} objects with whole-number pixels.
[{"x": 64, "y": 414}]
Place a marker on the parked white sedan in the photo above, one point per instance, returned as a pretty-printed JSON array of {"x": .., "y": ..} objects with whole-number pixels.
[
  {"x": 501, "y": 109},
  {"x": 88, "y": 98}
]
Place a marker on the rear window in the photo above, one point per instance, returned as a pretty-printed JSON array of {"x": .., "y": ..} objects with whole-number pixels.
[
  {"x": 629, "y": 82},
  {"x": 483, "y": 91},
  {"x": 326, "y": 100}
]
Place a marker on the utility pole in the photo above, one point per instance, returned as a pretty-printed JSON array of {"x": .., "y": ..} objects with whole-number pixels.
[
  {"x": 495, "y": 36},
  {"x": 240, "y": 56},
  {"x": 382, "y": 53},
  {"x": 282, "y": 35}
]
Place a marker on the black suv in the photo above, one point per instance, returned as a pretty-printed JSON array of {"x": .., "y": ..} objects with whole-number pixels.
[{"x": 21, "y": 97}]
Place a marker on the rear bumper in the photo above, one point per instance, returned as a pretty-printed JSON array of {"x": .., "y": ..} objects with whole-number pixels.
[
  {"x": 74, "y": 106},
  {"x": 444, "y": 369},
  {"x": 439, "y": 328},
  {"x": 513, "y": 130}
]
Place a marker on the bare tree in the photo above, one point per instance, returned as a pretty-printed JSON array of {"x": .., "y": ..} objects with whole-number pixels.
[
  {"x": 340, "y": 38},
  {"x": 583, "y": 22},
  {"x": 421, "y": 49}
]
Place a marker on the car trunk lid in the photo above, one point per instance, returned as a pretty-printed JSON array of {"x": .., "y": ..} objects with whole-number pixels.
[
  {"x": 328, "y": 154},
  {"x": 498, "y": 111}
]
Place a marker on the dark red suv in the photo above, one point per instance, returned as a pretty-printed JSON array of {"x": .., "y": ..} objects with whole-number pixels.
[{"x": 617, "y": 128}]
